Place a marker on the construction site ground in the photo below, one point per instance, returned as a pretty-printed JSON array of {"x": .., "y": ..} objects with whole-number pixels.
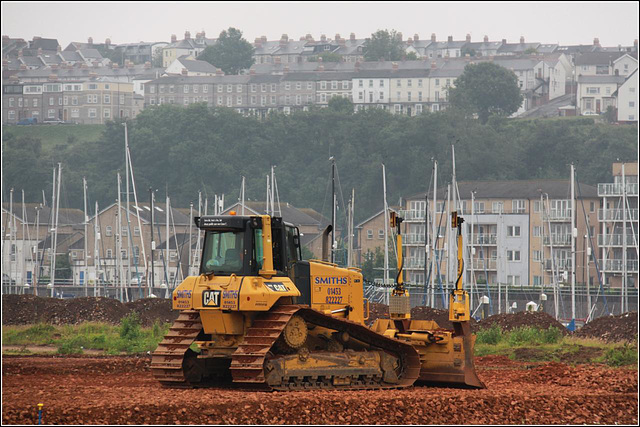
[{"x": 120, "y": 390}]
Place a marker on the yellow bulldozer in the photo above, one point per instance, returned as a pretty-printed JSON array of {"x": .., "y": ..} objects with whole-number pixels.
[{"x": 260, "y": 315}]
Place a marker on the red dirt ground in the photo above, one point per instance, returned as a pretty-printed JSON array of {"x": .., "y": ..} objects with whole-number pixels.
[{"x": 120, "y": 390}]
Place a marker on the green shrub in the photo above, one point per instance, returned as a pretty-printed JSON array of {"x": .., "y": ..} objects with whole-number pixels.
[
  {"x": 38, "y": 334},
  {"x": 130, "y": 327},
  {"x": 620, "y": 356},
  {"x": 72, "y": 345},
  {"x": 492, "y": 336},
  {"x": 529, "y": 335}
]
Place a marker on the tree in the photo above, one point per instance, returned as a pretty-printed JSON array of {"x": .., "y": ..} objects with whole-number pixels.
[
  {"x": 231, "y": 52},
  {"x": 341, "y": 105},
  {"x": 467, "y": 51},
  {"x": 486, "y": 89},
  {"x": 411, "y": 56},
  {"x": 531, "y": 51},
  {"x": 383, "y": 45},
  {"x": 156, "y": 60}
]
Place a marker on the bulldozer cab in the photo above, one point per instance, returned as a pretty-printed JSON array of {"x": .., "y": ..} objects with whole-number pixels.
[{"x": 236, "y": 245}]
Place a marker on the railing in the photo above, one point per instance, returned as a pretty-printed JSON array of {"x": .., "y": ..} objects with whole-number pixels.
[
  {"x": 617, "y": 189},
  {"x": 413, "y": 239},
  {"x": 484, "y": 264},
  {"x": 485, "y": 239},
  {"x": 412, "y": 215},
  {"x": 615, "y": 239},
  {"x": 410, "y": 263},
  {"x": 560, "y": 264},
  {"x": 558, "y": 239},
  {"x": 617, "y": 215},
  {"x": 615, "y": 265},
  {"x": 558, "y": 215}
]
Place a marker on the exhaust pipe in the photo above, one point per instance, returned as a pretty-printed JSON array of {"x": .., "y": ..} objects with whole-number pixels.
[{"x": 325, "y": 243}]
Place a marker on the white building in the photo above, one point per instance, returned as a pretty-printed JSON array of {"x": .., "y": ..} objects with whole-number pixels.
[
  {"x": 627, "y": 99},
  {"x": 371, "y": 87}
]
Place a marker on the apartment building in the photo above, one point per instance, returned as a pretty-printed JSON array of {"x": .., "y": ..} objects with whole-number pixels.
[
  {"x": 409, "y": 90},
  {"x": 627, "y": 99},
  {"x": 618, "y": 220},
  {"x": 187, "y": 46},
  {"x": 515, "y": 232},
  {"x": 82, "y": 102}
]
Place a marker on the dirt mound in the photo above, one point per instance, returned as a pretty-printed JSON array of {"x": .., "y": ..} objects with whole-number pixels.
[
  {"x": 377, "y": 311},
  {"x": 441, "y": 317},
  {"x": 29, "y": 309},
  {"x": 623, "y": 327},
  {"x": 508, "y": 322}
]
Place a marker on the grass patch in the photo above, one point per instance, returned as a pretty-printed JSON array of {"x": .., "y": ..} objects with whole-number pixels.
[
  {"x": 128, "y": 337},
  {"x": 537, "y": 345},
  {"x": 55, "y": 135}
]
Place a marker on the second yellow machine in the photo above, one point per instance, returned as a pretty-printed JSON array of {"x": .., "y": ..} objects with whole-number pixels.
[{"x": 260, "y": 315}]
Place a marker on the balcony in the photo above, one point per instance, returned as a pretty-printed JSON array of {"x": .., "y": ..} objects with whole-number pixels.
[
  {"x": 413, "y": 239},
  {"x": 413, "y": 264},
  {"x": 480, "y": 264},
  {"x": 617, "y": 189},
  {"x": 558, "y": 215},
  {"x": 617, "y": 215},
  {"x": 485, "y": 239},
  {"x": 615, "y": 266},
  {"x": 559, "y": 264},
  {"x": 412, "y": 215},
  {"x": 558, "y": 240},
  {"x": 615, "y": 239}
]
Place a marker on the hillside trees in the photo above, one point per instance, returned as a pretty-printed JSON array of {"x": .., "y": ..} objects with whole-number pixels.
[
  {"x": 486, "y": 89},
  {"x": 231, "y": 53},
  {"x": 383, "y": 44}
]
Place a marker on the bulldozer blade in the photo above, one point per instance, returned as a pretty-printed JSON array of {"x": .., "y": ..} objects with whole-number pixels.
[{"x": 440, "y": 369}]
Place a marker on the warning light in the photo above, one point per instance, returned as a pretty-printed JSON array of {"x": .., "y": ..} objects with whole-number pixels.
[{"x": 232, "y": 212}]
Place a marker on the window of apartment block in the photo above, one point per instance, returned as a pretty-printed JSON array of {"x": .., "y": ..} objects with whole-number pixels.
[
  {"x": 136, "y": 231},
  {"x": 229, "y": 88},
  {"x": 398, "y": 95},
  {"x": 513, "y": 280},
  {"x": 419, "y": 96},
  {"x": 109, "y": 253},
  {"x": 419, "y": 82},
  {"x": 121, "y": 99},
  {"x": 537, "y": 230},
  {"x": 108, "y": 231},
  {"x": 273, "y": 87},
  {"x": 59, "y": 101},
  {"x": 107, "y": 113},
  {"x": 513, "y": 255},
  {"x": 345, "y": 84},
  {"x": 323, "y": 97},
  {"x": 398, "y": 108},
  {"x": 254, "y": 87},
  {"x": 51, "y": 101},
  {"x": 370, "y": 83},
  {"x": 593, "y": 90},
  {"x": 409, "y": 96},
  {"x": 35, "y": 101},
  {"x": 381, "y": 234},
  {"x": 513, "y": 231},
  {"x": 263, "y": 100},
  {"x": 123, "y": 253},
  {"x": 51, "y": 114},
  {"x": 309, "y": 99},
  {"x": 75, "y": 113},
  {"x": 12, "y": 114},
  {"x": 478, "y": 207},
  {"x": 381, "y": 96},
  {"x": 369, "y": 234},
  {"x": 107, "y": 99},
  {"x": 418, "y": 108},
  {"x": 219, "y": 100},
  {"x": 160, "y": 88},
  {"x": 536, "y": 255},
  {"x": 497, "y": 207},
  {"x": 239, "y": 88},
  {"x": 273, "y": 100},
  {"x": 238, "y": 100},
  {"x": 298, "y": 85},
  {"x": 537, "y": 281},
  {"x": 298, "y": 99},
  {"x": 185, "y": 101},
  {"x": 537, "y": 206},
  {"x": 195, "y": 88},
  {"x": 125, "y": 231},
  {"x": 254, "y": 99},
  {"x": 518, "y": 206},
  {"x": 437, "y": 82}
]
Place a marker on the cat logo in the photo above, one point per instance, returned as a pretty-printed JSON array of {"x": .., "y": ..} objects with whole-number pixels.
[{"x": 211, "y": 298}]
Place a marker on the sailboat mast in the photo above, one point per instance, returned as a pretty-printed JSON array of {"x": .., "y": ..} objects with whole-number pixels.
[
  {"x": 96, "y": 256},
  {"x": 86, "y": 223},
  {"x": 242, "y": 197},
  {"x": 333, "y": 207},
  {"x": 624, "y": 303},
  {"x": 119, "y": 243},
  {"x": 573, "y": 244},
  {"x": 434, "y": 237},
  {"x": 153, "y": 243},
  {"x": 55, "y": 233},
  {"x": 130, "y": 243},
  {"x": 386, "y": 231}
]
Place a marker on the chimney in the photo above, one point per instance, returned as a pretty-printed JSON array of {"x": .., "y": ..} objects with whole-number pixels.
[
  {"x": 308, "y": 38},
  {"x": 36, "y": 38},
  {"x": 433, "y": 65},
  {"x": 85, "y": 66},
  {"x": 23, "y": 67},
  {"x": 336, "y": 38},
  {"x": 521, "y": 39},
  {"x": 115, "y": 65},
  {"x": 219, "y": 72},
  {"x": 394, "y": 65},
  {"x": 433, "y": 37},
  {"x": 187, "y": 35},
  {"x": 257, "y": 43},
  {"x": 399, "y": 36},
  {"x": 486, "y": 39},
  {"x": 596, "y": 42},
  {"x": 107, "y": 42},
  {"x": 173, "y": 38},
  {"x": 252, "y": 71},
  {"x": 54, "y": 66},
  {"x": 504, "y": 41},
  {"x": 450, "y": 39},
  {"x": 416, "y": 37},
  {"x": 53, "y": 77},
  {"x": 468, "y": 38},
  {"x": 93, "y": 75},
  {"x": 147, "y": 65},
  {"x": 277, "y": 60},
  {"x": 323, "y": 38},
  {"x": 303, "y": 38},
  {"x": 410, "y": 41},
  {"x": 352, "y": 37},
  {"x": 342, "y": 42},
  {"x": 320, "y": 59},
  {"x": 284, "y": 40},
  {"x": 90, "y": 41},
  {"x": 203, "y": 34},
  {"x": 264, "y": 39},
  {"x": 184, "y": 72},
  {"x": 131, "y": 64}
]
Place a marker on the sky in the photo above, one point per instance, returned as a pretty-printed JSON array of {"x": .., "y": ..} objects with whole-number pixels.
[{"x": 127, "y": 22}]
